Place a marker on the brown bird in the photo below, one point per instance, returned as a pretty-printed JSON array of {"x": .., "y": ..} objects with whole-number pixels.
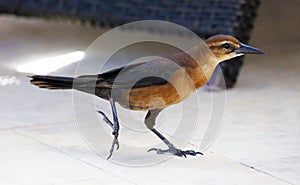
[{"x": 155, "y": 84}]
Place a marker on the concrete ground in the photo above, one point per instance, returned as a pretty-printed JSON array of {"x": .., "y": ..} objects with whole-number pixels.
[{"x": 259, "y": 142}]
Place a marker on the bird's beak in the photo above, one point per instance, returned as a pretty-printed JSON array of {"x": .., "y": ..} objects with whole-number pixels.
[{"x": 245, "y": 49}]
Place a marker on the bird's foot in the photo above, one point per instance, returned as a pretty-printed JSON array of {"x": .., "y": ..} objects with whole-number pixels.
[
  {"x": 175, "y": 151},
  {"x": 115, "y": 144}
]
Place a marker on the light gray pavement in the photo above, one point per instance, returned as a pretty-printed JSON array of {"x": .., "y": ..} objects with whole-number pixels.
[{"x": 259, "y": 142}]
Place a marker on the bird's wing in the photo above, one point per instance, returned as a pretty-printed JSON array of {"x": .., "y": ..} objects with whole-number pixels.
[{"x": 152, "y": 72}]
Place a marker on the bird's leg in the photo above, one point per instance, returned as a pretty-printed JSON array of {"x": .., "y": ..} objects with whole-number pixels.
[
  {"x": 171, "y": 148},
  {"x": 115, "y": 126},
  {"x": 150, "y": 122}
]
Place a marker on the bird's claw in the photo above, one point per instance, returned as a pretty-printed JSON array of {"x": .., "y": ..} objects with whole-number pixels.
[
  {"x": 176, "y": 152},
  {"x": 114, "y": 143},
  {"x": 105, "y": 118}
]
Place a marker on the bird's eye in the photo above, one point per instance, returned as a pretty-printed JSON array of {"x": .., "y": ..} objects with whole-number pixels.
[{"x": 226, "y": 46}]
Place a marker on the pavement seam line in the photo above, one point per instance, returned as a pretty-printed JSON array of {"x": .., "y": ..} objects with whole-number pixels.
[
  {"x": 254, "y": 168},
  {"x": 188, "y": 143},
  {"x": 72, "y": 156},
  {"x": 263, "y": 172}
]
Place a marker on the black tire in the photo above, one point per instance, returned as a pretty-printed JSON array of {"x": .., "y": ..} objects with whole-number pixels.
[{"x": 204, "y": 17}]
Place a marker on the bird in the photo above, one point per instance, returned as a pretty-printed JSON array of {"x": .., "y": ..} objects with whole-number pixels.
[{"x": 153, "y": 85}]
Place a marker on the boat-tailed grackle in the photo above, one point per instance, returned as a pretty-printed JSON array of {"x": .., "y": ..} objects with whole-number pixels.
[{"x": 195, "y": 63}]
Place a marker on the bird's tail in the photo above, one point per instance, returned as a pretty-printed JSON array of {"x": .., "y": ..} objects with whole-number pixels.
[{"x": 52, "y": 82}]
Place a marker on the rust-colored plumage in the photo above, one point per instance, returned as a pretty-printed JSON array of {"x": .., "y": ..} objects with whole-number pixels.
[{"x": 155, "y": 84}]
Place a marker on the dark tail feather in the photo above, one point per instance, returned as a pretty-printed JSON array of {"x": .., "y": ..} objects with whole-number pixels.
[{"x": 52, "y": 82}]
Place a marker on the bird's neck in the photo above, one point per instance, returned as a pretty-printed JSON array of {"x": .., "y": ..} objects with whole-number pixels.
[{"x": 206, "y": 61}]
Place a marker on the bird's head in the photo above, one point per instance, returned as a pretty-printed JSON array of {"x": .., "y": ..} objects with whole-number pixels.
[{"x": 225, "y": 47}]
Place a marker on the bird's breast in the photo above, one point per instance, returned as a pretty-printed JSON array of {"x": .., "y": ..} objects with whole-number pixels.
[{"x": 180, "y": 86}]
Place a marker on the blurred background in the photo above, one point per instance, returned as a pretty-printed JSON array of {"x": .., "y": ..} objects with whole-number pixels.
[{"x": 260, "y": 139}]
